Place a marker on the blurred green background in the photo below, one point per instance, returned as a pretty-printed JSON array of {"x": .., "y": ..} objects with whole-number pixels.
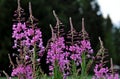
[{"x": 96, "y": 25}]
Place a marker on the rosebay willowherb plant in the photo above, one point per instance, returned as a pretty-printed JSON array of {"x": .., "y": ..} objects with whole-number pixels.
[
  {"x": 68, "y": 55},
  {"x": 19, "y": 35},
  {"x": 80, "y": 53},
  {"x": 57, "y": 57},
  {"x": 100, "y": 70},
  {"x": 28, "y": 40}
]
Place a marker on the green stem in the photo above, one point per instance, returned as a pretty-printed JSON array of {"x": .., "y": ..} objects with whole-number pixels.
[
  {"x": 83, "y": 66},
  {"x": 74, "y": 69},
  {"x": 57, "y": 72},
  {"x": 34, "y": 60}
]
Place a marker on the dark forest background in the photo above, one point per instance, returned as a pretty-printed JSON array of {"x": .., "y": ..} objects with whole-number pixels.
[{"x": 96, "y": 25}]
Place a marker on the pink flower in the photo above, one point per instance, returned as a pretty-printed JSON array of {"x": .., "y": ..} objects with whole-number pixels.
[
  {"x": 85, "y": 46},
  {"x": 30, "y": 32},
  {"x": 23, "y": 70},
  {"x": 100, "y": 72},
  {"x": 25, "y": 36},
  {"x": 17, "y": 71}
]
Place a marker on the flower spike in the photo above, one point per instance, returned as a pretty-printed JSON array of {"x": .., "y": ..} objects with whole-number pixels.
[
  {"x": 70, "y": 19},
  {"x": 32, "y": 22},
  {"x": 72, "y": 29},
  {"x": 83, "y": 27},
  {"x": 84, "y": 33},
  {"x": 57, "y": 24},
  {"x": 111, "y": 62},
  {"x": 18, "y": 9},
  {"x": 53, "y": 34},
  {"x": 19, "y": 13},
  {"x": 102, "y": 49},
  {"x": 30, "y": 11},
  {"x": 56, "y": 17},
  {"x": 101, "y": 43}
]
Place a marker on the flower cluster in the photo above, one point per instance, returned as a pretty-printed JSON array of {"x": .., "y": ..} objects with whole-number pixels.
[
  {"x": 77, "y": 51},
  {"x": 56, "y": 53},
  {"x": 27, "y": 37},
  {"x": 23, "y": 72},
  {"x": 75, "y": 54},
  {"x": 18, "y": 35},
  {"x": 100, "y": 72},
  {"x": 103, "y": 73},
  {"x": 34, "y": 37},
  {"x": 112, "y": 76},
  {"x": 86, "y": 46},
  {"x": 18, "y": 71}
]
